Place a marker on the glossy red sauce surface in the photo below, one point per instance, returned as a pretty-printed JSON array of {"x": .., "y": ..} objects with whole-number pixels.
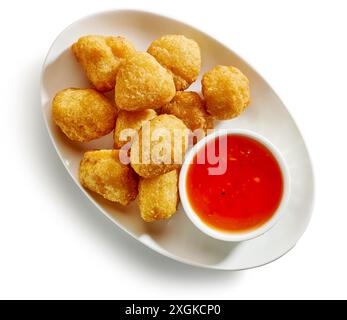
[{"x": 243, "y": 198}]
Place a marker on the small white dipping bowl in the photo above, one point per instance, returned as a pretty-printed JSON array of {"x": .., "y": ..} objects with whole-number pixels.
[{"x": 229, "y": 235}]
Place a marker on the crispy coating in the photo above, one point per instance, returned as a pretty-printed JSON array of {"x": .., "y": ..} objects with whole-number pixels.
[
  {"x": 130, "y": 120},
  {"x": 101, "y": 57},
  {"x": 142, "y": 83},
  {"x": 160, "y": 147},
  {"x": 158, "y": 196},
  {"x": 190, "y": 108},
  {"x": 226, "y": 91},
  {"x": 180, "y": 55},
  {"x": 83, "y": 114},
  {"x": 102, "y": 172},
  {"x": 121, "y": 47}
]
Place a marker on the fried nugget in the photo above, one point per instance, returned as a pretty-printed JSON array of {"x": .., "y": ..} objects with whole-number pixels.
[
  {"x": 101, "y": 57},
  {"x": 121, "y": 48},
  {"x": 142, "y": 83},
  {"x": 83, "y": 114},
  {"x": 180, "y": 55},
  {"x": 190, "y": 108},
  {"x": 102, "y": 172},
  {"x": 226, "y": 91},
  {"x": 158, "y": 196},
  {"x": 130, "y": 120},
  {"x": 161, "y": 146}
]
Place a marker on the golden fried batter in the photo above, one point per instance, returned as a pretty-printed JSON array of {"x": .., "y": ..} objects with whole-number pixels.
[
  {"x": 101, "y": 57},
  {"x": 121, "y": 47},
  {"x": 158, "y": 196},
  {"x": 83, "y": 114},
  {"x": 142, "y": 83},
  {"x": 180, "y": 55},
  {"x": 130, "y": 120},
  {"x": 102, "y": 172},
  {"x": 160, "y": 147},
  {"x": 226, "y": 91},
  {"x": 190, "y": 108}
]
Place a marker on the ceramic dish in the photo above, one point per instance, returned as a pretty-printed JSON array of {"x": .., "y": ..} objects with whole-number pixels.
[
  {"x": 178, "y": 238},
  {"x": 234, "y": 236}
]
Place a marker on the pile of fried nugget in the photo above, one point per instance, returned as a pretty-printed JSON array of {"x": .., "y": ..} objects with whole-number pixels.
[{"x": 148, "y": 87}]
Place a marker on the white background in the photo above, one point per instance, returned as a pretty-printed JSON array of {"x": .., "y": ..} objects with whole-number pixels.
[{"x": 55, "y": 244}]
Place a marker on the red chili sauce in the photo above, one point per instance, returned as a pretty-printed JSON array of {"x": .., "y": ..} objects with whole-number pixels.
[{"x": 246, "y": 196}]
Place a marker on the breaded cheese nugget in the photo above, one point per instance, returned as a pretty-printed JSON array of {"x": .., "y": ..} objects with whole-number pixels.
[
  {"x": 142, "y": 83},
  {"x": 83, "y": 114},
  {"x": 161, "y": 146},
  {"x": 158, "y": 196},
  {"x": 180, "y": 55},
  {"x": 101, "y": 57},
  {"x": 190, "y": 108},
  {"x": 102, "y": 172},
  {"x": 121, "y": 47},
  {"x": 130, "y": 120},
  {"x": 226, "y": 91}
]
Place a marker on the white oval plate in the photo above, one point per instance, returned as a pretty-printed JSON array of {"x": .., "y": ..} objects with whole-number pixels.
[{"x": 178, "y": 238}]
